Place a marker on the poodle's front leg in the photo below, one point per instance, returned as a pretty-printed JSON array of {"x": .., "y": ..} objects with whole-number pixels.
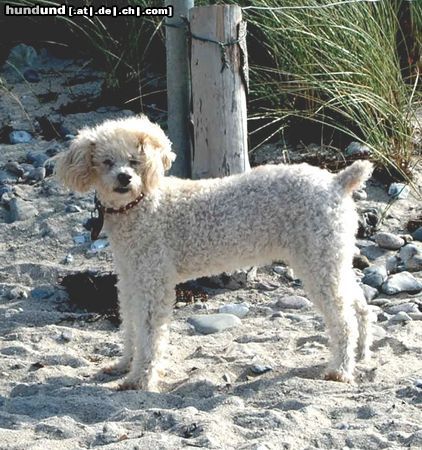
[
  {"x": 150, "y": 333},
  {"x": 126, "y": 317}
]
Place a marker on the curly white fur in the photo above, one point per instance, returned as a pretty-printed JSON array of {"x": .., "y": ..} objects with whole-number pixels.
[{"x": 185, "y": 229}]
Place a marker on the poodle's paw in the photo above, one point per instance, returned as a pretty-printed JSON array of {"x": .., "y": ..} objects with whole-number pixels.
[
  {"x": 133, "y": 385},
  {"x": 129, "y": 386},
  {"x": 363, "y": 355},
  {"x": 118, "y": 368},
  {"x": 338, "y": 375}
]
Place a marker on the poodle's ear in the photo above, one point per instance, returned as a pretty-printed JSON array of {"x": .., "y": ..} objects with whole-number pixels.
[
  {"x": 74, "y": 167},
  {"x": 157, "y": 159}
]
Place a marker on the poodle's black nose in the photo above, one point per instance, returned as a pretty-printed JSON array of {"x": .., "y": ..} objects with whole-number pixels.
[{"x": 124, "y": 178}]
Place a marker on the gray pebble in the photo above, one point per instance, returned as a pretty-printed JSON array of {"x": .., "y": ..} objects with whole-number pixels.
[
  {"x": 357, "y": 149},
  {"x": 360, "y": 194},
  {"x": 417, "y": 235},
  {"x": 361, "y": 261},
  {"x": 238, "y": 309},
  {"x": 31, "y": 75},
  {"x": 411, "y": 257},
  {"x": 416, "y": 316},
  {"x": 7, "y": 177},
  {"x": 37, "y": 159},
  {"x": 17, "y": 292},
  {"x": 402, "y": 307},
  {"x": 374, "y": 276},
  {"x": 280, "y": 270},
  {"x": 19, "y": 137},
  {"x": 36, "y": 174},
  {"x": 418, "y": 383},
  {"x": 40, "y": 293},
  {"x": 369, "y": 292},
  {"x": 67, "y": 335},
  {"x": 15, "y": 168},
  {"x": 4, "y": 189},
  {"x": 72, "y": 209},
  {"x": 389, "y": 241},
  {"x": 81, "y": 239},
  {"x": 112, "y": 433},
  {"x": 98, "y": 245},
  {"x": 213, "y": 323},
  {"x": 68, "y": 259},
  {"x": 293, "y": 302},
  {"x": 398, "y": 190},
  {"x": 266, "y": 286},
  {"x": 21, "y": 210},
  {"x": 259, "y": 369},
  {"x": 401, "y": 282},
  {"x": 383, "y": 317},
  {"x": 400, "y": 317}
]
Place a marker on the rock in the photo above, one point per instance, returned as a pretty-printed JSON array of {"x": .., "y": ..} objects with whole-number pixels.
[
  {"x": 393, "y": 264},
  {"x": 37, "y": 159},
  {"x": 53, "y": 151},
  {"x": 19, "y": 137},
  {"x": 15, "y": 168},
  {"x": 235, "y": 280},
  {"x": 357, "y": 149},
  {"x": 293, "y": 302},
  {"x": 81, "y": 239},
  {"x": 213, "y": 323},
  {"x": 7, "y": 178},
  {"x": 31, "y": 75},
  {"x": 417, "y": 235},
  {"x": 67, "y": 335},
  {"x": 68, "y": 259},
  {"x": 411, "y": 257},
  {"x": 368, "y": 221},
  {"x": 401, "y": 282},
  {"x": 402, "y": 307},
  {"x": 111, "y": 433},
  {"x": 360, "y": 194},
  {"x": 36, "y": 174},
  {"x": 389, "y": 241},
  {"x": 266, "y": 286},
  {"x": 361, "y": 262},
  {"x": 72, "y": 209},
  {"x": 17, "y": 292},
  {"x": 20, "y": 210},
  {"x": 5, "y": 189},
  {"x": 374, "y": 276},
  {"x": 42, "y": 292},
  {"x": 260, "y": 369},
  {"x": 280, "y": 270},
  {"x": 400, "y": 317},
  {"x": 238, "y": 309},
  {"x": 369, "y": 292},
  {"x": 398, "y": 191},
  {"x": 98, "y": 245},
  {"x": 22, "y": 56}
]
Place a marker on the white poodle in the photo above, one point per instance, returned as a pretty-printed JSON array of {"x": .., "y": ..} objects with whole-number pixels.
[{"x": 165, "y": 230}]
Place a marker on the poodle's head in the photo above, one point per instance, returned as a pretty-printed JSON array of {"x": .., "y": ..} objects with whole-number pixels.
[{"x": 120, "y": 159}]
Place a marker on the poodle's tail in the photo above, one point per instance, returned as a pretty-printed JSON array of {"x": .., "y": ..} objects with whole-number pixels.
[{"x": 353, "y": 176}]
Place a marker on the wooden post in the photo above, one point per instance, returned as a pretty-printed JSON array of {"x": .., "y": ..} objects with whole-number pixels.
[
  {"x": 178, "y": 86},
  {"x": 218, "y": 91}
]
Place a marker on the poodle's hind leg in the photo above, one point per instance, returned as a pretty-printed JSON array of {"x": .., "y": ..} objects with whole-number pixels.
[
  {"x": 150, "y": 333},
  {"x": 336, "y": 305},
  {"x": 364, "y": 317},
  {"x": 127, "y": 327}
]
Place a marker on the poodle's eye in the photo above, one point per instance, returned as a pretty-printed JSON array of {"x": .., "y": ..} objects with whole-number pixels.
[
  {"x": 108, "y": 163},
  {"x": 134, "y": 162}
]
